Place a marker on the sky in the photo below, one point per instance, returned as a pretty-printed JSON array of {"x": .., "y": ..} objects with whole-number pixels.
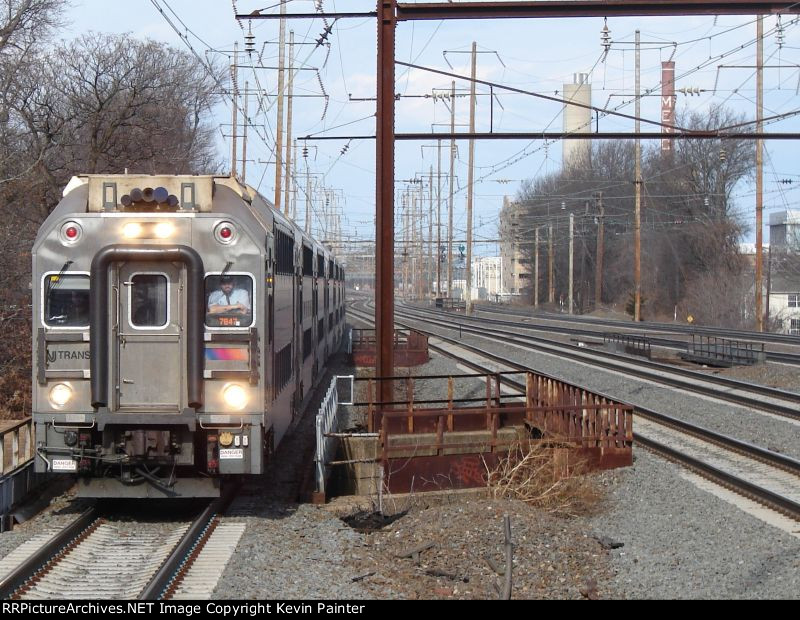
[{"x": 712, "y": 54}]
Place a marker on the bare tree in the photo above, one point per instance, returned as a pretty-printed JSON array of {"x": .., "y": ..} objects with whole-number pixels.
[{"x": 688, "y": 226}]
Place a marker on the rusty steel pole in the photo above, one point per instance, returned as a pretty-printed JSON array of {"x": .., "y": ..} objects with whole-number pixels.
[
  {"x": 637, "y": 223},
  {"x": 384, "y": 190}
]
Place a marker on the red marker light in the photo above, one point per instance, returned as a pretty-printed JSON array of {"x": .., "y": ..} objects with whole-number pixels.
[
  {"x": 225, "y": 232},
  {"x": 70, "y": 233}
]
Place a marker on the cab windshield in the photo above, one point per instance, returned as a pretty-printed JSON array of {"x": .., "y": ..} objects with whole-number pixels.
[
  {"x": 229, "y": 301},
  {"x": 66, "y": 300}
]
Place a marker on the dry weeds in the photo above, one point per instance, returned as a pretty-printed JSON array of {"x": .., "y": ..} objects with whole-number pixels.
[{"x": 531, "y": 474}]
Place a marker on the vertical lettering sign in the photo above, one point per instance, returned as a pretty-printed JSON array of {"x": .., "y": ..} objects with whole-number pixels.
[{"x": 667, "y": 103}]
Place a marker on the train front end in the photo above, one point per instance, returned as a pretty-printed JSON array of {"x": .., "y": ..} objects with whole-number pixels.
[{"x": 139, "y": 388}]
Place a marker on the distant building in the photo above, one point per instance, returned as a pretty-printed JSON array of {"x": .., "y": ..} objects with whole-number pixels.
[
  {"x": 516, "y": 267},
  {"x": 784, "y": 230},
  {"x": 784, "y": 303},
  {"x": 782, "y": 272},
  {"x": 487, "y": 278}
]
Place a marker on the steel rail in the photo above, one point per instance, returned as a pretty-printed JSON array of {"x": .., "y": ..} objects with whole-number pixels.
[
  {"x": 764, "y": 496},
  {"x": 191, "y": 543},
  {"x": 608, "y": 362},
  {"x": 788, "y": 358},
  {"x": 27, "y": 569},
  {"x": 688, "y": 330},
  {"x": 775, "y": 356}
]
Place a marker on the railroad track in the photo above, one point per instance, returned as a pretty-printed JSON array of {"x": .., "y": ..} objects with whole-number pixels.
[
  {"x": 763, "y": 398},
  {"x": 647, "y": 328},
  {"x": 94, "y": 557},
  {"x": 767, "y": 477}
]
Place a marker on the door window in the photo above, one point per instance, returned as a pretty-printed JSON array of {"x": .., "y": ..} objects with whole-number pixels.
[{"x": 149, "y": 301}]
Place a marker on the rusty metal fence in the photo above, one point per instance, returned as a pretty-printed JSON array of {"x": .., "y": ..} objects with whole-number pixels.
[
  {"x": 410, "y": 347},
  {"x": 485, "y": 415}
]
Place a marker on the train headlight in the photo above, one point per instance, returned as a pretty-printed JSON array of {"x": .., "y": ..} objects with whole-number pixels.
[
  {"x": 132, "y": 230},
  {"x": 235, "y": 396},
  {"x": 60, "y": 395},
  {"x": 164, "y": 230}
]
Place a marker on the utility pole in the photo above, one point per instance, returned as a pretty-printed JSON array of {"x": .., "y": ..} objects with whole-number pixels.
[
  {"x": 571, "y": 243},
  {"x": 470, "y": 173},
  {"x": 637, "y": 251},
  {"x": 769, "y": 285},
  {"x": 536, "y": 269},
  {"x": 287, "y": 182},
  {"x": 430, "y": 233},
  {"x": 598, "y": 267},
  {"x": 244, "y": 135},
  {"x": 551, "y": 285},
  {"x": 294, "y": 181},
  {"x": 279, "y": 124},
  {"x": 308, "y": 203},
  {"x": 452, "y": 178},
  {"x": 759, "y": 173},
  {"x": 404, "y": 202},
  {"x": 439, "y": 221},
  {"x": 234, "y": 111}
]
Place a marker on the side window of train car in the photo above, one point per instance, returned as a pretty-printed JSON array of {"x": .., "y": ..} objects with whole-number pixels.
[
  {"x": 65, "y": 300},
  {"x": 284, "y": 253},
  {"x": 229, "y": 300},
  {"x": 149, "y": 301}
]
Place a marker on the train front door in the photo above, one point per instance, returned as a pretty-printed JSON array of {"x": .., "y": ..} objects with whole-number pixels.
[{"x": 148, "y": 336}]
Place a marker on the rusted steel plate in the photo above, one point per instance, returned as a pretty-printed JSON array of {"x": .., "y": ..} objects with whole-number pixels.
[
  {"x": 410, "y": 348},
  {"x": 437, "y": 473}
]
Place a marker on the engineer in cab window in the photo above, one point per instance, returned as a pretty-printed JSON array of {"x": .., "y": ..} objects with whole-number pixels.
[{"x": 229, "y": 299}]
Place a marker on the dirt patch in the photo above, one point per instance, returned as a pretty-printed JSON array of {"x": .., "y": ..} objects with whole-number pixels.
[
  {"x": 772, "y": 375},
  {"x": 455, "y": 550}
]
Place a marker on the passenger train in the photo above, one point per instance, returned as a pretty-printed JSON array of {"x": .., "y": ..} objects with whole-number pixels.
[{"x": 180, "y": 324}]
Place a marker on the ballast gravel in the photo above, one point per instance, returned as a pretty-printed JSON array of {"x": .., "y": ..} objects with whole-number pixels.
[{"x": 654, "y": 534}]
